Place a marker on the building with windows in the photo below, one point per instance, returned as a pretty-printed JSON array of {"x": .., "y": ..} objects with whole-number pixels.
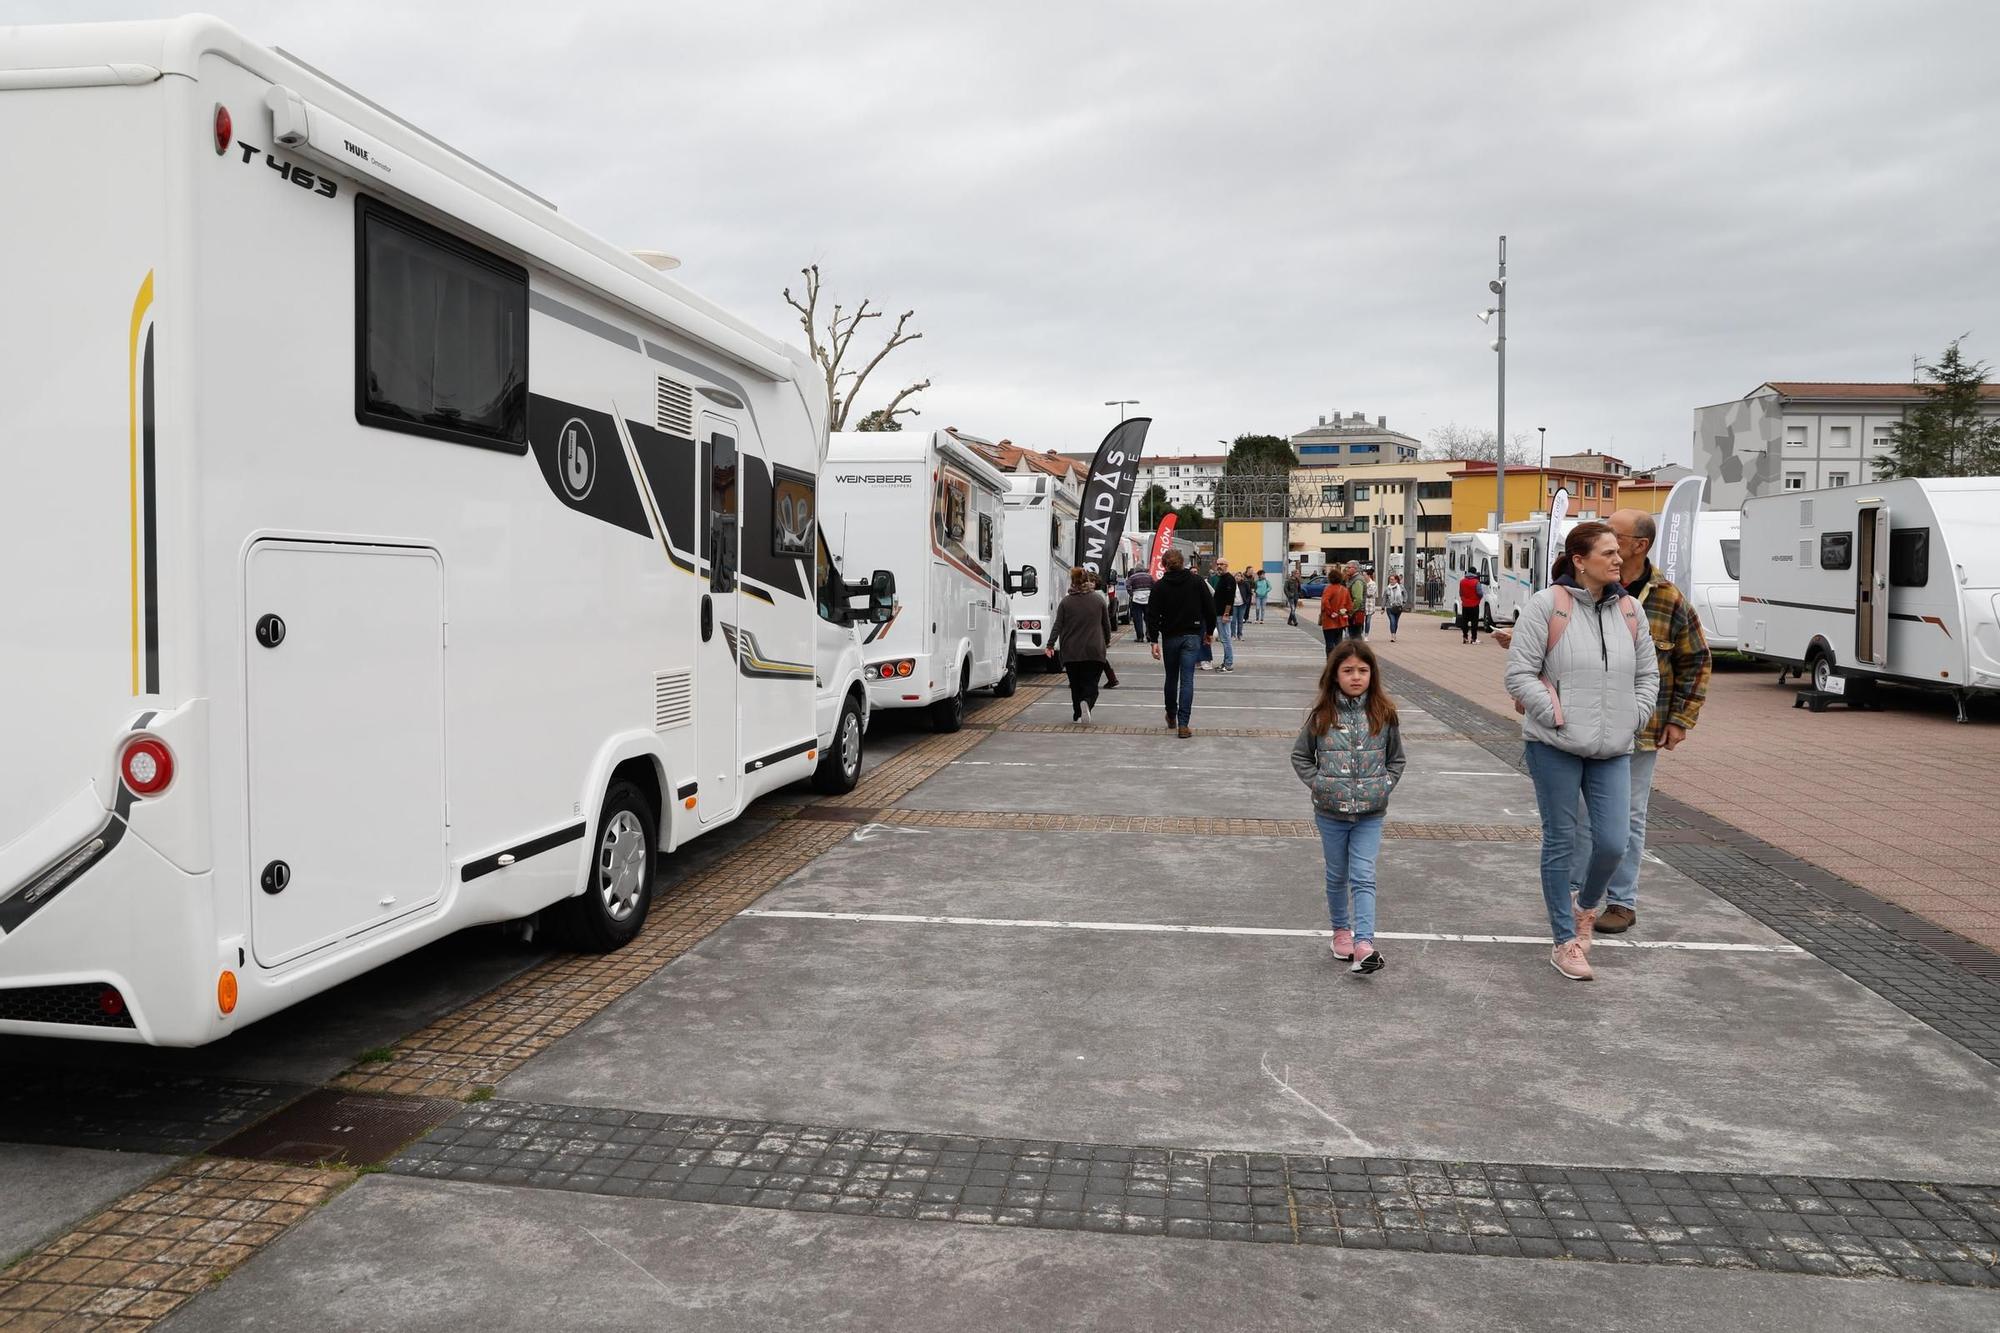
[
  {"x": 1345, "y": 441},
  {"x": 1337, "y": 510},
  {"x": 1589, "y": 461},
  {"x": 1188, "y": 479},
  {"x": 1529, "y": 491},
  {"x": 1790, "y": 435}
]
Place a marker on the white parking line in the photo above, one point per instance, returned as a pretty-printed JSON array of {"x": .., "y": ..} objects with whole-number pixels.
[
  {"x": 1457, "y": 773},
  {"x": 1155, "y": 928}
]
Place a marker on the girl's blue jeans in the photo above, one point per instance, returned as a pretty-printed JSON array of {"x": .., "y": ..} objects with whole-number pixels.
[{"x": 1351, "y": 846}]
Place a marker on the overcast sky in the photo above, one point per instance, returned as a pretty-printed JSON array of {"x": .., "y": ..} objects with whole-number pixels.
[{"x": 1249, "y": 214}]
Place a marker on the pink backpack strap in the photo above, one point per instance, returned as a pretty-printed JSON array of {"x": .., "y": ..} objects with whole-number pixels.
[
  {"x": 1559, "y": 613},
  {"x": 1630, "y": 606}
]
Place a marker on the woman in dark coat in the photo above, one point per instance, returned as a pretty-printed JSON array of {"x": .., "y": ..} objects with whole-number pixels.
[{"x": 1082, "y": 640}]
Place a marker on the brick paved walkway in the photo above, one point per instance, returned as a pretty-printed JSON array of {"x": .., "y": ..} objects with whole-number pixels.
[{"x": 1904, "y": 802}]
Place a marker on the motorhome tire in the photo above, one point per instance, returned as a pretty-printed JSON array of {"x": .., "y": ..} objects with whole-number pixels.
[
  {"x": 1819, "y": 664},
  {"x": 840, "y": 767},
  {"x": 948, "y": 714},
  {"x": 1004, "y": 687},
  {"x": 623, "y": 860}
]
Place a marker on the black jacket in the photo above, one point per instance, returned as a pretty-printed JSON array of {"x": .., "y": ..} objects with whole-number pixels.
[
  {"x": 1224, "y": 588},
  {"x": 1182, "y": 604}
]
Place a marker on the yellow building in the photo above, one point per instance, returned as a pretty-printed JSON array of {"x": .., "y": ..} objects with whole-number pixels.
[
  {"x": 1338, "y": 508},
  {"x": 1529, "y": 490}
]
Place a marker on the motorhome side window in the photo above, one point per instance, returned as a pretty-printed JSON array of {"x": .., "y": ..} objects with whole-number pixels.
[
  {"x": 722, "y": 517},
  {"x": 1836, "y": 550},
  {"x": 1909, "y": 557},
  {"x": 1732, "y": 556},
  {"x": 828, "y": 582},
  {"x": 442, "y": 335},
  {"x": 985, "y": 536},
  {"x": 792, "y": 514}
]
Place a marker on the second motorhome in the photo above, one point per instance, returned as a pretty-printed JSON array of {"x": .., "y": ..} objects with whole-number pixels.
[
  {"x": 1040, "y": 534},
  {"x": 926, "y": 507}
]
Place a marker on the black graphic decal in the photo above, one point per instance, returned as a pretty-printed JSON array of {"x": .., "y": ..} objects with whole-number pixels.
[
  {"x": 583, "y": 463},
  {"x": 668, "y": 462}
]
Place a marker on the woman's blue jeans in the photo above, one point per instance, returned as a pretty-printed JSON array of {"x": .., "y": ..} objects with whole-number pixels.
[
  {"x": 1351, "y": 846},
  {"x": 1606, "y": 788}
]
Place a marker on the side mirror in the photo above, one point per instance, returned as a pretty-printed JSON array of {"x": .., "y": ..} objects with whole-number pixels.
[
  {"x": 1023, "y": 580},
  {"x": 881, "y": 597}
]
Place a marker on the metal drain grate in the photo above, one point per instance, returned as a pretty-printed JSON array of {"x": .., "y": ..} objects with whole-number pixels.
[{"x": 328, "y": 1126}]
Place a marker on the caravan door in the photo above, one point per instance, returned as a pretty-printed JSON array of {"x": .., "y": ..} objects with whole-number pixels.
[
  {"x": 1871, "y": 585},
  {"x": 718, "y": 678}
]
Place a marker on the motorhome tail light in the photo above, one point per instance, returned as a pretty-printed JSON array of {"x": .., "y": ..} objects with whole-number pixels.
[
  {"x": 905, "y": 668},
  {"x": 1031, "y": 624},
  {"x": 110, "y": 1003},
  {"x": 147, "y": 766},
  {"x": 225, "y": 992},
  {"x": 225, "y": 130}
]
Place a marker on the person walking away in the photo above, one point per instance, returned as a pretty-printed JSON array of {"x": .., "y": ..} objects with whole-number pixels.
[
  {"x": 1395, "y": 600},
  {"x": 1181, "y": 620},
  {"x": 1685, "y": 663},
  {"x": 1469, "y": 595},
  {"x": 1349, "y": 754},
  {"x": 1082, "y": 640},
  {"x": 1140, "y": 585},
  {"x": 1357, "y": 593},
  {"x": 1583, "y": 669},
  {"x": 1294, "y": 590},
  {"x": 1246, "y": 593},
  {"x": 1263, "y": 590},
  {"x": 1336, "y": 608},
  {"x": 1224, "y": 588},
  {"x": 1374, "y": 604}
]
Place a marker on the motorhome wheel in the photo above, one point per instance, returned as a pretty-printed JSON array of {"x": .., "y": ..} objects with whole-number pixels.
[
  {"x": 840, "y": 767},
  {"x": 1822, "y": 669},
  {"x": 949, "y": 714},
  {"x": 613, "y": 906},
  {"x": 1004, "y": 687}
]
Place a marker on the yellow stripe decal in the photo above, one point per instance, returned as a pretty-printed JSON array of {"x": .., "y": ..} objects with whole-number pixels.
[{"x": 140, "y": 306}]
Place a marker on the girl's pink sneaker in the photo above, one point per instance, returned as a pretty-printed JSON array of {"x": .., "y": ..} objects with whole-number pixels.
[{"x": 1343, "y": 945}]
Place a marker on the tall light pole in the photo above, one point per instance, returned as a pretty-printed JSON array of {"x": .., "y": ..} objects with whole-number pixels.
[
  {"x": 1544, "y": 432},
  {"x": 1121, "y": 404},
  {"x": 1499, "y": 288}
]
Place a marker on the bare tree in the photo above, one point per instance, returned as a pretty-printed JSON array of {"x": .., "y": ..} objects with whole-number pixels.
[
  {"x": 1456, "y": 441},
  {"x": 830, "y": 346}
]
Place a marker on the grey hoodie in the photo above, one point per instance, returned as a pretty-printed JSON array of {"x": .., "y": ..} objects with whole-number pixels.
[{"x": 1604, "y": 690}]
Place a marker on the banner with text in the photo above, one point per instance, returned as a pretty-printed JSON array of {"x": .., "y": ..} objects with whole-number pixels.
[
  {"x": 1163, "y": 537},
  {"x": 1674, "y": 547},
  {"x": 1107, "y": 495}
]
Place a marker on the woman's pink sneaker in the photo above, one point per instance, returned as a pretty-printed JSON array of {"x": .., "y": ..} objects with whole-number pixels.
[
  {"x": 1343, "y": 945},
  {"x": 1586, "y": 926}
]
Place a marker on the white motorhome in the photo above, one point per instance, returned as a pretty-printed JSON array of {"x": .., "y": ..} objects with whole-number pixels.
[
  {"x": 1525, "y": 557},
  {"x": 1712, "y": 584},
  {"x": 924, "y": 506},
  {"x": 1893, "y": 581},
  {"x": 1472, "y": 553},
  {"x": 1040, "y": 535},
  {"x": 386, "y": 554}
]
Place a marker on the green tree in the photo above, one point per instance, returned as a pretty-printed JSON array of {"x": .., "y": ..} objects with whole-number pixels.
[
  {"x": 1151, "y": 506},
  {"x": 1256, "y": 478},
  {"x": 1188, "y": 517},
  {"x": 1948, "y": 434},
  {"x": 1260, "y": 456},
  {"x": 879, "y": 419}
]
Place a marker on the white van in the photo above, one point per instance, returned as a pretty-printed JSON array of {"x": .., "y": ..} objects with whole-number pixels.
[
  {"x": 1890, "y": 581},
  {"x": 386, "y": 554},
  {"x": 1040, "y": 535},
  {"x": 1472, "y": 553},
  {"x": 1525, "y": 557},
  {"x": 1712, "y": 585},
  {"x": 924, "y": 506}
]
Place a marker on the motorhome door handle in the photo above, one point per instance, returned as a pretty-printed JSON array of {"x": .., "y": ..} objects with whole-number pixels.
[{"x": 707, "y": 618}]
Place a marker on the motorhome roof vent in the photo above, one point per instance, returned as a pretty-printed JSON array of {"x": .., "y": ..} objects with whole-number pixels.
[
  {"x": 1805, "y": 513},
  {"x": 676, "y": 408},
  {"x": 673, "y": 700}
]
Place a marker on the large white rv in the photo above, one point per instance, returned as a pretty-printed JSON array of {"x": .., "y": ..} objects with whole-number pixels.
[
  {"x": 1040, "y": 536},
  {"x": 1712, "y": 585},
  {"x": 924, "y": 506},
  {"x": 385, "y": 553},
  {"x": 1472, "y": 553},
  {"x": 1891, "y": 581},
  {"x": 1525, "y": 557}
]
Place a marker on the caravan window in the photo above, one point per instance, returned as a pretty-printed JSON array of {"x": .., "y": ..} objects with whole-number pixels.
[
  {"x": 442, "y": 345},
  {"x": 985, "y": 537},
  {"x": 1909, "y": 557},
  {"x": 1732, "y": 556},
  {"x": 1836, "y": 550},
  {"x": 792, "y": 514}
]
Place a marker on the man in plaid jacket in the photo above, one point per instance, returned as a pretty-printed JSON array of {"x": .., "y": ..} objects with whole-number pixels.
[{"x": 1684, "y": 669}]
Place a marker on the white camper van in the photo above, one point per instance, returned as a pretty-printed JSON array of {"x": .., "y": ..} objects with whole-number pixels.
[
  {"x": 924, "y": 506},
  {"x": 1891, "y": 581},
  {"x": 1472, "y": 553},
  {"x": 1712, "y": 585},
  {"x": 1525, "y": 557},
  {"x": 1040, "y": 535},
  {"x": 386, "y": 554}
]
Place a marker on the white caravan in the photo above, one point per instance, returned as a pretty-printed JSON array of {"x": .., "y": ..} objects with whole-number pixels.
[
  {"x": 924, "y": 506},
  {"x": 1040, "y": 535},
  {"x": 1712, "y": 585},
  {"x": 1524, "y": 563},
  {"x": 1472, "y": 553},
  {"x": 1891, "y": 581},
  {"x": 423, "y": 561}
]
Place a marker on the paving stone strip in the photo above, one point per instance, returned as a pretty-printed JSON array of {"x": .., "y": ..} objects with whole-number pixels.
[
  {"x": 1941, "y": 979},
  {"x": 1203, "y": 826},
  {"x": 138, "y": 1260},
  {"x": 131, "y": 1111},
  {"x": 1794, "y": 1224}
]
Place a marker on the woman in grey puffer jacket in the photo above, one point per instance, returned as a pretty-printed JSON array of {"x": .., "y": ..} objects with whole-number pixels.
[{"x": 1583, "y": 670}]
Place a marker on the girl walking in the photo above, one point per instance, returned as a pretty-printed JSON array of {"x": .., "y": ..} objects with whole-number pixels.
[
  {"x": 1583, "y": 671},
  {"x": 1349, "y": 754},
  {"x": 1395, "y": 601},
  {"x": 1083, "y": 638}
]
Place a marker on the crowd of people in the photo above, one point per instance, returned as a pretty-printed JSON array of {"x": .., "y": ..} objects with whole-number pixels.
[{"x": 1607, "y": 667}]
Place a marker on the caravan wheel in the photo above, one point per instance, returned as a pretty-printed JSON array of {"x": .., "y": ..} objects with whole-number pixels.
[
  {"x": 949, "y": 714},
  {"x": 613, "y": 905},
  {"x": 840, "y": 767},
  {"x": 1004, "y": 687},
  {"x": 1820, "y": 665}
]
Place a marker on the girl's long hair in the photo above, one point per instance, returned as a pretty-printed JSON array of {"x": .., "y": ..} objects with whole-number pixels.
[
  {"x": 1381, "y": 713},
  {"x": 1576, "y": 546}
]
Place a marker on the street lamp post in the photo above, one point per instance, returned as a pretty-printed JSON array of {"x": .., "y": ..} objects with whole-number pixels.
[
  {"x": 1543, "y": 431},
  {"x": 1498, "y": 286},
  {"x": 1121, "y": 404}
]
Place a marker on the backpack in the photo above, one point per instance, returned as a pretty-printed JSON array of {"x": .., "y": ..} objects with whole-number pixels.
[{"x": 1559, "y": 618}]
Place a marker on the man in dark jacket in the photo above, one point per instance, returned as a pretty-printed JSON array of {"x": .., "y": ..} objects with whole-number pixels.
[
  {"x": 1223, "y": 587},
  {"x": 1179, "y": 620}
]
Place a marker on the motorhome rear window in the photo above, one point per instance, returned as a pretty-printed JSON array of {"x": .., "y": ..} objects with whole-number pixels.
[
  {"x": 1909, "y": 557},
  {"x": 442, "y": 345},
  {"x": 1732, "y": 556},
  {"x": 1836, "y": 550}
]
